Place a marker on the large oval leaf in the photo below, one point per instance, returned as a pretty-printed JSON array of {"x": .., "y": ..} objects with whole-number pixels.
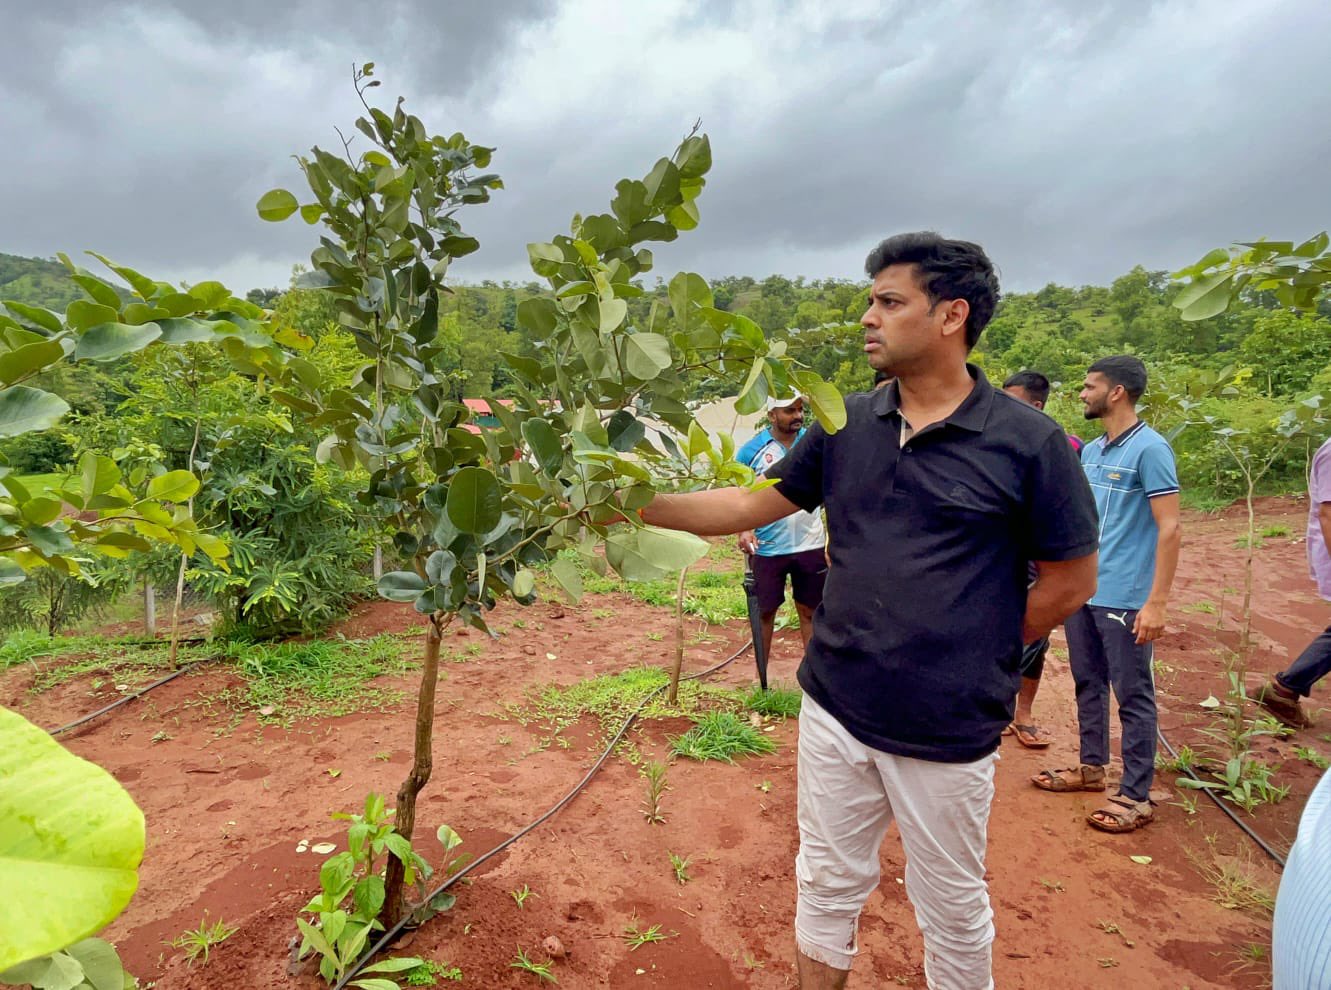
[
  {"x": 173, "y": 486},
  {"x": 544, "y": 445},
  {"x": 277, "y": 204},
  {"x": 401, "y": 586},
  {"x": 647, "y": 355},
  {"x": 474, "y": 503},
  {"x": 1206, "y": 296},
  {"x": 828, "y": 405},
  {"x": 108, "y": 341},
  {"x": 24, "y": 409},
  {"x": 71, "y": 840},
  {"x": 650, "y": 553},
  {"x": 25, "y": 360}
]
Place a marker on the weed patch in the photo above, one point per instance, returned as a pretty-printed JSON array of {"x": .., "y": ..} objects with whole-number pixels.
[
  {"x": 611, "y": 698},
  {"x": 721, "y": 736},
  {"x": 777, "y": 701},
  {"x": 129, "y": 663},
  {"x": 319, "y": 678}
]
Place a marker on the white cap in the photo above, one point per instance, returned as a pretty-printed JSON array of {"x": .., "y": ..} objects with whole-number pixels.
[{"x": 775, "y": 403}]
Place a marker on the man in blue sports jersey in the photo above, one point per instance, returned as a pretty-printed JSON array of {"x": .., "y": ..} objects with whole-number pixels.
[
  {"x": 791, "y": 546},
  {"x": 1111, "y": 638}
]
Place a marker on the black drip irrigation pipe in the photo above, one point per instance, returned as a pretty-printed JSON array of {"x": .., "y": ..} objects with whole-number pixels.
[
  {"x": 128, "y": 698},
  {"x": 1222, "y": 806},
  {"x": 391, "y": 934}
]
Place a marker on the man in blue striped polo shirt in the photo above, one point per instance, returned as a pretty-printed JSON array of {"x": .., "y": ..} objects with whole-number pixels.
[
  {"x": 794, "y": 546},
  {"x": 1111, "y": 638}
]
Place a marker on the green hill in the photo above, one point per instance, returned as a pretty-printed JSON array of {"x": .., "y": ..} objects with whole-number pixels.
[{"x": 37, "y": 282}]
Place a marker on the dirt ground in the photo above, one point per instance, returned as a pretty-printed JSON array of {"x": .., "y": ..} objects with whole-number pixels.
[{"x": 227, "y": 806}]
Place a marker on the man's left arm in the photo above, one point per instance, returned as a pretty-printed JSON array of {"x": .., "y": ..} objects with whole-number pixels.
[
  {"x": 1062, "y": 587},
  {"x": 1061, "y": 536},
  {"x": 1159, "y": 478}
]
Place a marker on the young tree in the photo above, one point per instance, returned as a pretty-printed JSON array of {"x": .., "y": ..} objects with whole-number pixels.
[{"x": 598, "y": 421}]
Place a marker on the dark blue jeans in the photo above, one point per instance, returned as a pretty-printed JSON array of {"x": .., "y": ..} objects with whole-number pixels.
[
  {"x": 1103, "y": 654},
  {"x": 1312, "y": 665}
]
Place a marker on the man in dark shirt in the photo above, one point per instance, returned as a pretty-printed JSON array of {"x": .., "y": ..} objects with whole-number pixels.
[
  {"x": 937, "y": 491},
  {"x": 1032, "y": 388}
]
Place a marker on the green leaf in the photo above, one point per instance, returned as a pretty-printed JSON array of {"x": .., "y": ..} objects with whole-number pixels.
[
  {"x": 184, "y": 330},
  {"x": 662, "y": 184},
  {"x": 81, "y": 314},
  {"x": 1205, "y": 296},
  {"x": 754, "y": 392},
  {"x": 101, "y": 965},
  {"x": 828, "y": 405},
  {"x": 569, "y": 577},
  {"x": 650, "y": 553},
  {"x": 108, "y": 341},
  {"x": 277, "y": 204},
  {"x": 29, "y": 358},
  {"x": 524, "y": 583},
  {"x": 694, "y": 157},
  {"x": 99, "y": 291},
  {"x": 71, "y": 840},
  {"x": 474, "y": 502},
  {"x": 401, "y": 586},
  {"x": 448, "y": 838},
  {"x": 368, "y": 896},
  {"x": 174, "y": 486},
  {"x": 687, "y": 291},
  {"x": 544, "y": 444},
  {"x": 26, "y": 410},
  {"x": 373, "y": 983},
  {"x": 43, "y": 318},
  {"x": 612, "y": 312},
  {"x": 538, "y": 315},
  {"x": 397, "y": 964},
  {"x": 646, "y": 355},
  {"x": 545, "y": 258},
  {"x": 60, "y": 971},
  {"x": 98, "y": 474},
  {"x": 624, "y": 430}
]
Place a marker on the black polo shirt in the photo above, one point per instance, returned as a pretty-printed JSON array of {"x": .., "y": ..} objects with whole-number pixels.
[{"x": 917, "y": 645}]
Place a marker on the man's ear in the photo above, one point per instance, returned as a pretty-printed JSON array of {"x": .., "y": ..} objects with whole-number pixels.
[{"x": 955, "y": 314}]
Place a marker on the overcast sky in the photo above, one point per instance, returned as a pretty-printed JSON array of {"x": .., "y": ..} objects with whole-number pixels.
[{"x": 1072, "y": 139}]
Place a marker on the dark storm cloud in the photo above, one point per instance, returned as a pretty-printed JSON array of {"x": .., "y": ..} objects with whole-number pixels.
[{"x": 1074, "y": 140}]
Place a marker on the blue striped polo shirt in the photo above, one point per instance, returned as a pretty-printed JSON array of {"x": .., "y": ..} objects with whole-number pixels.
[
  {"x": 797, "y": 532},
  {"x": 1301, "y": 938},
  {"x": 1124, "y": 476}
]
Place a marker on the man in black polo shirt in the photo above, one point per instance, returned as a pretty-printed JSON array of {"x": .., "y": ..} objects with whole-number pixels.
[{"x": 938, "y": 491}]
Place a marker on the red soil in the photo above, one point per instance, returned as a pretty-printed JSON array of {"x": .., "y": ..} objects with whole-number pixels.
[{"x": 226, "y": 807}]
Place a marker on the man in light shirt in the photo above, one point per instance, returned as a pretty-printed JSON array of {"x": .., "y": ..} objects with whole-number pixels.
[
  {"x": 791, "y": 547},
  {"x": 1281, "y": 696}
]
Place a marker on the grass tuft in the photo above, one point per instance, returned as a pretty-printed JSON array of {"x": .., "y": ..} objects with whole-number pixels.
[
  {"x": 611, "y": 698},
  {"x": 777, "y": 701},
  {"x": 721, "y": 736},
  {"x": 318, "y": 678}
]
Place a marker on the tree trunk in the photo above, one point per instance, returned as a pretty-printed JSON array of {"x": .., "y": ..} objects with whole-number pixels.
[
  {"x": 175, "y": 612},
  {"x": 149, "y": 608},
  {"x": 1245, "y": 636},
  {"x": 405, "y": 820},
  {"x": 377, "y": 565},
  {"x": 679, "y": 639}
]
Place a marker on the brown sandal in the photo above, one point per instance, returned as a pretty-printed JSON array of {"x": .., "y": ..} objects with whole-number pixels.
[
  {"x": 1066, "y": 779},
  {"x": 1125, "y": 814},
  {"x": 1030, "y": 736}
]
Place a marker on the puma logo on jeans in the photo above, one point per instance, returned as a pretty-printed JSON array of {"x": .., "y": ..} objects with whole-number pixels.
[{"x": 1121, "y": 618}]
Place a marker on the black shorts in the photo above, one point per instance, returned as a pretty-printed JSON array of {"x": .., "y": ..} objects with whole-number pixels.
[
  {"x": 1032, "y": 659},
  {"x": 807, "y": 570}
]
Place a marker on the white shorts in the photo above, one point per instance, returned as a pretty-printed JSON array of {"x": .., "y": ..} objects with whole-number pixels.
[{"x": 849, "y": 793}]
